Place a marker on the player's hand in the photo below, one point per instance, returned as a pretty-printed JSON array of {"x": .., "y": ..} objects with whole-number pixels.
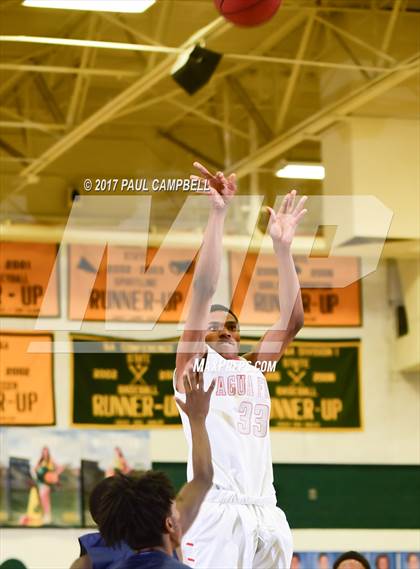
[
  {"x": 197, "y": 401},
  {"x": 282, "y": 225},
  {"x": 222, "y": 189}
]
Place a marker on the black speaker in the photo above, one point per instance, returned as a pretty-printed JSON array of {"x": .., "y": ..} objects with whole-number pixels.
[{"x": 197, "y": 70}]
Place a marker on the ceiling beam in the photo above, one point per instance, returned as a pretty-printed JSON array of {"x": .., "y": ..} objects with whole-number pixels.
[
  {"x": 81, "y": 81},
  {"x": 389, "y": 30},
  {"x": 191, "y": 150},
  {"x": 48, "y": 98},
  {"x": 327, "y": 116},
  {"x": 250, "y": 107},
  {"x": 268, "y": 43},
  {"x": 351, "y": 54},
  {"x": 12, "y": 151},
  {"x": 294, "y": 75},
  {"x": 355, "y": 39},
  {"x": 209, "y": 119},
  {"x": 59, "y": 69},
  {"x": 130, "y": 94}
]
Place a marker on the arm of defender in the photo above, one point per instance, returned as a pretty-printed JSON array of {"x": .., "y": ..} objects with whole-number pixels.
[
  {"x": 82, "y": 562},
  {"x": 196, "y": 406}
]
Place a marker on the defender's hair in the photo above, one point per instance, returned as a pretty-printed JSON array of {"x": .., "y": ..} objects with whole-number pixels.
[
  {"x": 352, "y": 555},
  {"x": 217, "y": 307},
  {"x": 133, "y": 510}
]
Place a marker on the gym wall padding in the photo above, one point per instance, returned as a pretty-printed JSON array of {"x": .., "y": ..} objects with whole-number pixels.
[{"x": 346, "y": 496}]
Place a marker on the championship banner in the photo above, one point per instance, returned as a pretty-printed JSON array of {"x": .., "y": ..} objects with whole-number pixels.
[
  {"x": 26, "y": 269},
  {"x": 255, "y": 298},
  {"x": 123, "y": 384},
  {"x": 123, "y": 290},
  {"x": 129, "y": 384},
  {"x": 26, "y": 384},
  {"x": 316, "y": 386}
]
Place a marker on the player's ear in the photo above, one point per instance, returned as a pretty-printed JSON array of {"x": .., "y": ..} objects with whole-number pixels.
[{"x": 169, "y": 525}]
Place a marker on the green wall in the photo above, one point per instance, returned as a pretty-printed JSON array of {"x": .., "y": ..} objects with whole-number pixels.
[{"x": 346, "y": 496}]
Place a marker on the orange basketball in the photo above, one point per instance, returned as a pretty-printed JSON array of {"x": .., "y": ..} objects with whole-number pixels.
[{"x": 248, "y": 12}]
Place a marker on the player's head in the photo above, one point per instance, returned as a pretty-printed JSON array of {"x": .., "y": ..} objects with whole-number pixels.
[
  {"x": 295, "y": 564},
  {"x": 382, "y": 561},
  {"x": 351, "y": 560},
  {"x": 223, "y": 331},
  {"x": 139, "y": 511},
  {"x": 323, "y": 561},
  {"x": 413, "y": 561}
]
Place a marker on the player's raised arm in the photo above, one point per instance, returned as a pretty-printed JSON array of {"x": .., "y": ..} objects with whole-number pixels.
[
  {"x": 196, "y": 407},
  {"x": 207, "y": 271},
  {"x": 282, "y": 229}
]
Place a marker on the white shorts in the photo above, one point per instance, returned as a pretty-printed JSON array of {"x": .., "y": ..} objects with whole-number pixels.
[{"x": 228, "y": 535}]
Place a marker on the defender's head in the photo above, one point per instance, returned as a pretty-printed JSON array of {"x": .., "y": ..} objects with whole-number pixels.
[
  {"x": 139, "y": 511},
  {"x": 223, "y": 331}
]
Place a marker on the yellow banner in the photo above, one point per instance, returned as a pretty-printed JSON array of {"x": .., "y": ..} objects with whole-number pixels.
[
  {"x": 26, "y": 269},
  {"x": 122, "y": 290},
  {"x": 26, "y": 379},
  {"x": 256, "y": 299}
]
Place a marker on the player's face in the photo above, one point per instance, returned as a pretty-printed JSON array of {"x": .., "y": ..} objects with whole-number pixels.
[{"x": 223, "y": 333}]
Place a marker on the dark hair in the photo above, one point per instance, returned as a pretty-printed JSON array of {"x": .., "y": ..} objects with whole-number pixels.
[
  {"x": 132, "y": 509},
  {"x": 216, "y": 307},
  {"x": 322, "y": 555},
  {"x": 411, "y": 554},
  {"x": 352, "y": 555},
  {"x": 296, "y": 555}
]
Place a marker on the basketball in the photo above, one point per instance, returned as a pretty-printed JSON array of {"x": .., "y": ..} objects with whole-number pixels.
[{"x": 248, "y": 12}]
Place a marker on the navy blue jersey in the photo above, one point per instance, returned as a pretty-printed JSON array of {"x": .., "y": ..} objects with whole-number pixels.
[
  {"x": 102, "y": 556},
  {"x": 150, "y": 560}
]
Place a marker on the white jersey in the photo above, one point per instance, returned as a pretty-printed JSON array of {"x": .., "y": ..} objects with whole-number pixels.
[{"x": 238, "y": 428}]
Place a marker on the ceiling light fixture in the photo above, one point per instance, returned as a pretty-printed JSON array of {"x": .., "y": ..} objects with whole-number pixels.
[
  {"x": 301, "y": 171},
  {"x": 133, "y": 6}
]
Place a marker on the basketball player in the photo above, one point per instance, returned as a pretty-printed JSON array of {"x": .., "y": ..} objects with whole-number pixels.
[
  {"x": 140, "y": 521},
  {"x": 238, "y": 525}
]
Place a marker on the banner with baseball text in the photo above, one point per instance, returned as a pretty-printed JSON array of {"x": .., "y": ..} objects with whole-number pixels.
[
  {"x": 26, "y": 270},
  {"x": 256, "y": 301},
  {"x": 316, "y": 385},
  {"x": 128, "y": 284},
  {"x": 26, "y": 384},
  {"x": 121, "y": 383}
]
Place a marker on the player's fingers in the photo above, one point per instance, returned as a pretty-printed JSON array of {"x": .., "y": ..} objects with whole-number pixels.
[
  {"x": 180, "y": 403},
  {"x": 283, "y": 207},
  {"x": 200, "y": 381},
  {"x": 291, "y": 202},
  {"x": 272, "y": 213},
  {"x": 211, "y": 388},
  {"x": 300, "y": 204},
  {"x": 300, "y": 215},
  {"x": 187, "y": 384},
  {"x": 203, "y": 170}
]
